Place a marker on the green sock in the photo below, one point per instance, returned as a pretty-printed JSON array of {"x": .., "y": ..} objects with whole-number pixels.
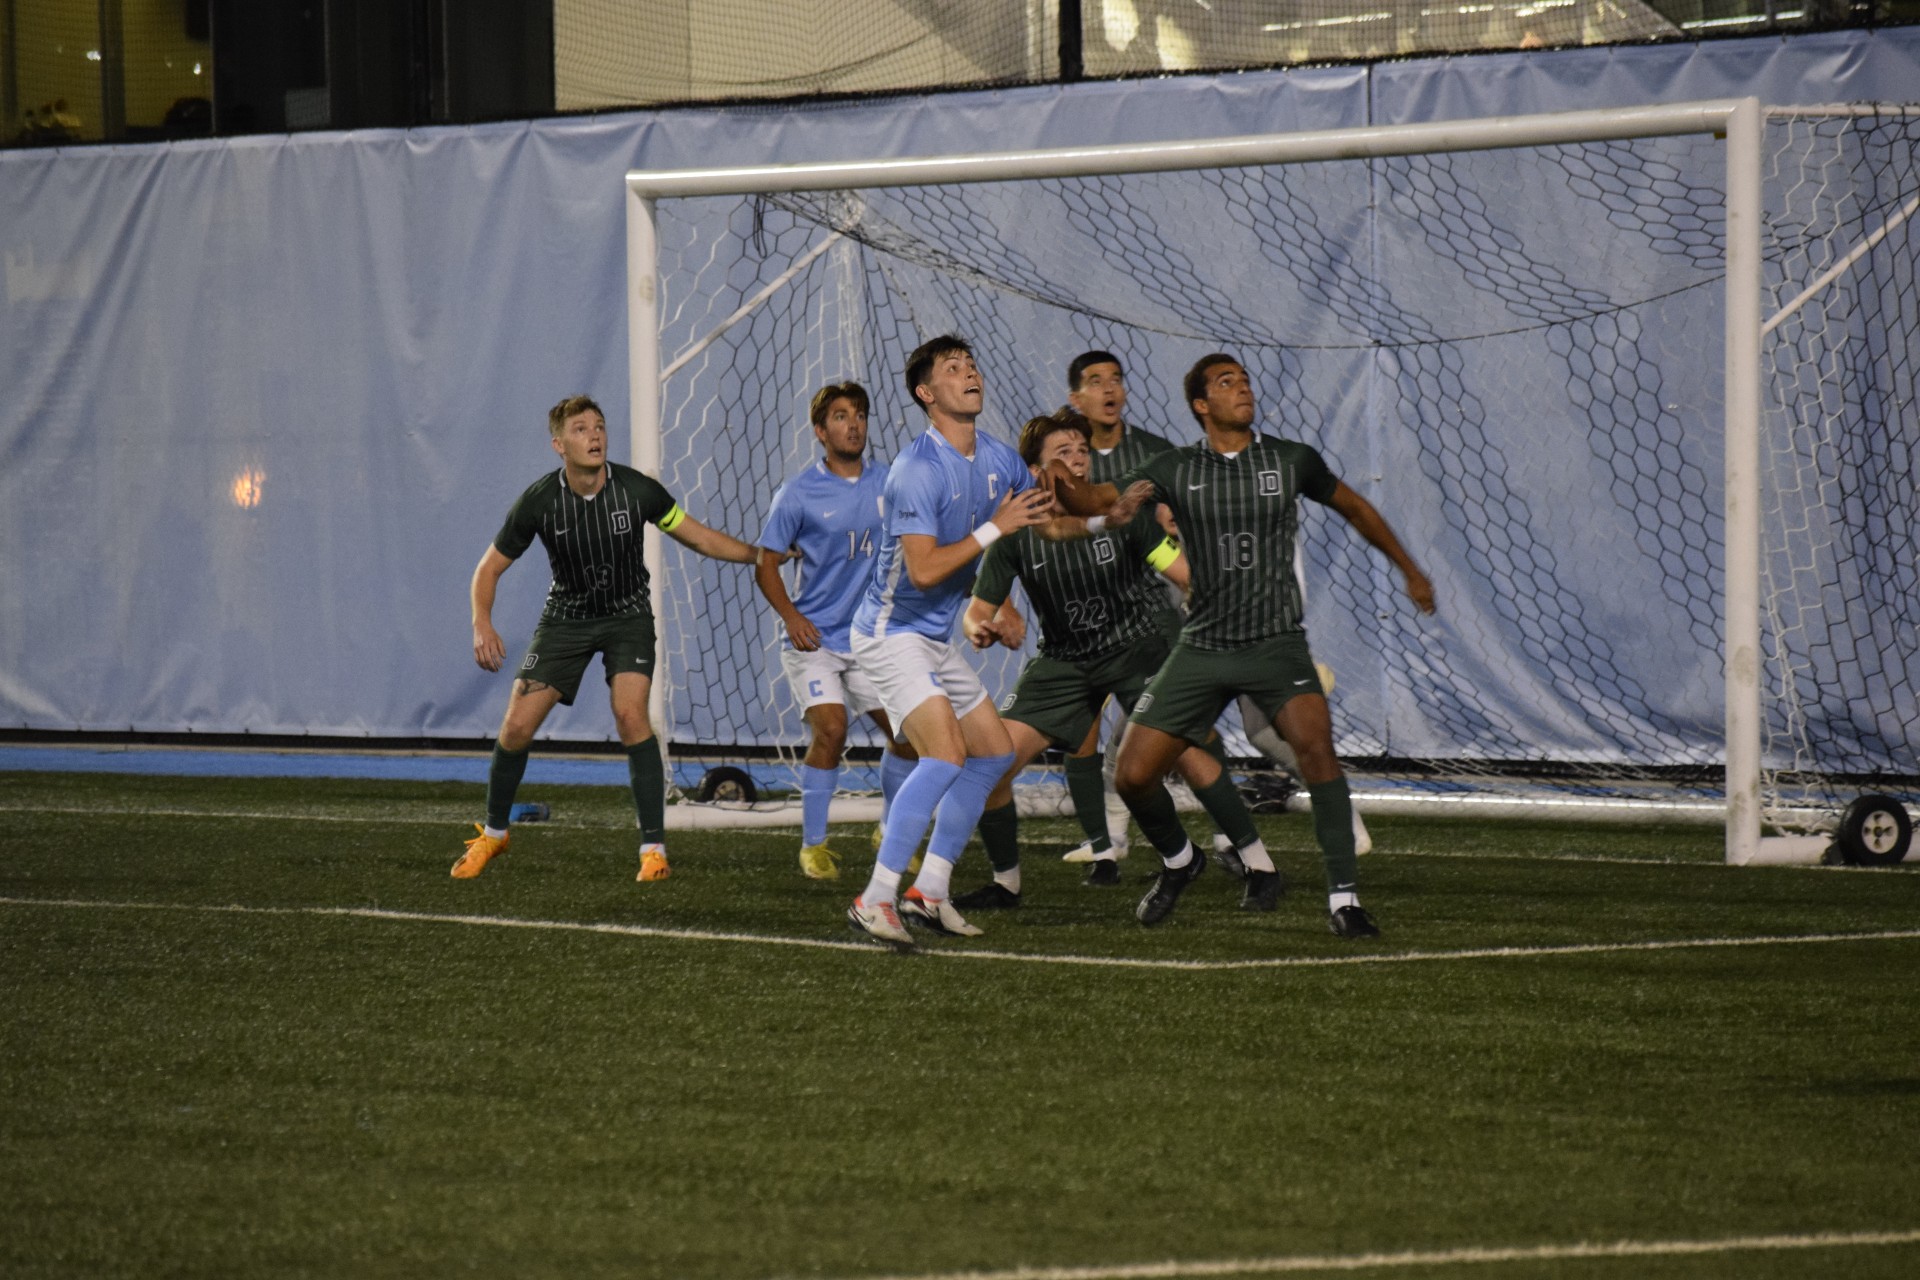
[
  {"x": 1000, "y": 832},
  {"x": 1333, "y": 826},
  {"x": 1229, "y": 812},
  {"x": 1160, "y": 822},
  {"x": 503, "y": 780},
  {"x": 648, "y": 778},
  {"x": 1087, "y": 788}
]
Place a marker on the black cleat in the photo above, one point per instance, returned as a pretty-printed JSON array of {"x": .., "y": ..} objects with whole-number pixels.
[
  {"x": 1167, "y": 888},
  {"x": 1227, "y": 858},
  {"x": 1102, "y": 871},
  {"x": 1264, "y": 890},
  {"x": 991, "y": 896},
  {"x": 1353, "y": 922}
]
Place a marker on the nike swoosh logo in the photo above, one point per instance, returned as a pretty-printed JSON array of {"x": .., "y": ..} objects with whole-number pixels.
[
  {"x": 1192, "y": 487},
  {"x": 1038, "y": 563},
  {"x": 558, "y": 532},
  {"x": 826, "y": 515}
]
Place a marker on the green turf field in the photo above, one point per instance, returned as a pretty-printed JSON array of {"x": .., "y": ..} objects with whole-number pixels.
[{"x": 251, "y": 1027}]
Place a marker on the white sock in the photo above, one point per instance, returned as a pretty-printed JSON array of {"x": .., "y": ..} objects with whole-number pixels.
[
  {"x": 884, "y": 887},
  {"x": 1179, "y": 859},
  {"x": 496, "y": 832},
  {"x": 1335, "y": 901},
  {"x": 1008, "y": 880},
  {"x": 1254, "y": 856},
  {"x": 935, "y": 878}
]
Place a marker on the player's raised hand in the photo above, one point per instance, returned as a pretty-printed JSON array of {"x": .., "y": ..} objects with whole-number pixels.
[
  {"x": 1020, "y": 510},
  {"x": 1129, "y": 502},
  {"x": 487, "y": 649}
]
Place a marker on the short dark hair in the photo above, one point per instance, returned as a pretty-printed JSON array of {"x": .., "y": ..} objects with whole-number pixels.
[
  {"x": 558, "y": 415},
  {"x": 1034, "y": 436},
  {"x": 823, "y": 400},
  {"x": 920, "y": 363},
  {"x": 1196, "y": 384},
  {"x": 1085, "y": 361}
]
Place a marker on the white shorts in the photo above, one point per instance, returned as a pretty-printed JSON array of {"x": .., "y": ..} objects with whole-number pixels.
[
  {"x": 908, "y": 669},
  {"x": 823, "y": 677}
]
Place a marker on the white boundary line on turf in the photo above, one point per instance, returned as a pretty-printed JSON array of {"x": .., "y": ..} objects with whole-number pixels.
[
  {"x": 1428, "y": 1258},
  {"x": 1094, "y": 962}
]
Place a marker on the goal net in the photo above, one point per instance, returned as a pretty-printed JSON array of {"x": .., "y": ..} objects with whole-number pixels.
[{"x": 1519, "y": 339}]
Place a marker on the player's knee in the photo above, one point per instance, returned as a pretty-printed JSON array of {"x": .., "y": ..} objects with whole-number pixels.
[
  {"x": 1134, "y": 779},
  {"x": 632, "y": 725},
  {"x": 829, "y": 739}
]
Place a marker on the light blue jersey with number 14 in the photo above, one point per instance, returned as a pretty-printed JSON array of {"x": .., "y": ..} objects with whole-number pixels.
[{"x": 834, "y": 523}]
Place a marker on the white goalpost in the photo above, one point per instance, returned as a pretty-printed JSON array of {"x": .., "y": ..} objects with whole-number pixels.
[{"x": 1494, "y": 326}]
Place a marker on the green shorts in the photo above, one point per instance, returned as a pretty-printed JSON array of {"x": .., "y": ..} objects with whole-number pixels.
[
  {"x": 1062, "y": 700},
  {"x": 1195, "y": 685},
  {"x": 560, "y": 651}
]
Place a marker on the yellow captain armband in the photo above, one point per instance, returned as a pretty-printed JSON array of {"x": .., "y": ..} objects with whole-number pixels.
[
  {"x": 1163, "y": 555},
  {"x": 671, "y": 521}
]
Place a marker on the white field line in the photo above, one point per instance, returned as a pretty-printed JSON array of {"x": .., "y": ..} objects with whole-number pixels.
[
  {"x": 393, "y": 820},
  {"x": 1296, "y": 1263},
  {"x": 1097, "y": 962}
]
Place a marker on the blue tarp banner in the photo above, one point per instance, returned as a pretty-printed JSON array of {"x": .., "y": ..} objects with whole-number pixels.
[{"x": 264, "y": 402}]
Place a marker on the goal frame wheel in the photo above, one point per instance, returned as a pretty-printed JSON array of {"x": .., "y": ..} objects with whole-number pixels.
[
  {"x": 1875, "y": 831},
  {"x": 726, "y": 783}
]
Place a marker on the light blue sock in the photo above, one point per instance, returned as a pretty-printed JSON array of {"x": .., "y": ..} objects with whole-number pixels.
[
  {"x": 913, "y": 809},
  {"x": 965, "y": 801},
  {"x": 816, "y": 793},
  {"x": 894, "y": 770}
]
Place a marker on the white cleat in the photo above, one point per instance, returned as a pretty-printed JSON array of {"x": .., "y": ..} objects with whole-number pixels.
[
  {"x": 881, "y": 922},
  {"x": 1083, "y": 852},
  {"x": 937, "y": 914}
]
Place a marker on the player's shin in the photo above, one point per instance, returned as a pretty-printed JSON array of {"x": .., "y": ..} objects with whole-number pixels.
[
  {"x": 1000, "y": 833},
  {"x": 1333, "y": 827},
  {"x": 959, "y": 814},
  {"x": 647, "y": 776},
  {"x": 816, "y": 796},
  {"x": 1153, "y": 809},
  {"x": 503, "y": 782},
  {"x": 913, "y": 809},
  {"x": 1086, "y": 785}
]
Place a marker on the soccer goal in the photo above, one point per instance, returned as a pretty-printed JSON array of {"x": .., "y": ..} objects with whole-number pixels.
[{"x": 1637, "y": 387}]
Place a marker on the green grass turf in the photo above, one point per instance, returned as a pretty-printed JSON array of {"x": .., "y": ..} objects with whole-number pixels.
[{"x": 211, "y": 1092}]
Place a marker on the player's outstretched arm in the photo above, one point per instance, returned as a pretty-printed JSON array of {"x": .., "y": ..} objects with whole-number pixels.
[
  {"x": 1374, "y": 528},
  {"x": 766, "y": 576},
  {"x": 1079, "y": 497},
  {"x": 929, "y": 564},
  {"x": 488, "y": 650},
  {"x": 1123, "y": 509},
  {"x": 694, "y": 536}
]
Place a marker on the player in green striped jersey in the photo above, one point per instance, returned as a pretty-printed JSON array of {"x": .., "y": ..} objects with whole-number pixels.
[
  {"x": 1097, "y": 390},
  {"x": 589, "y": 514},
  {"x": 1234, "y": 495},
  {"x": 1103, "y": 635}
]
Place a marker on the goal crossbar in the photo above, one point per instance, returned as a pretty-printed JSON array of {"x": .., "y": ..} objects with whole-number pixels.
[{"x": 1739, "y": 121}]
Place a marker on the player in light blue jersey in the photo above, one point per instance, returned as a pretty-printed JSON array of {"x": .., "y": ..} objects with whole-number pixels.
[
  {"x": 948, "y": 496},
  {"x": 829, "y": 517}
]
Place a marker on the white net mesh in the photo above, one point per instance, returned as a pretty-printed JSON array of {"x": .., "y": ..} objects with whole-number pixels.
[{"x": 1515, "y": 355}]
